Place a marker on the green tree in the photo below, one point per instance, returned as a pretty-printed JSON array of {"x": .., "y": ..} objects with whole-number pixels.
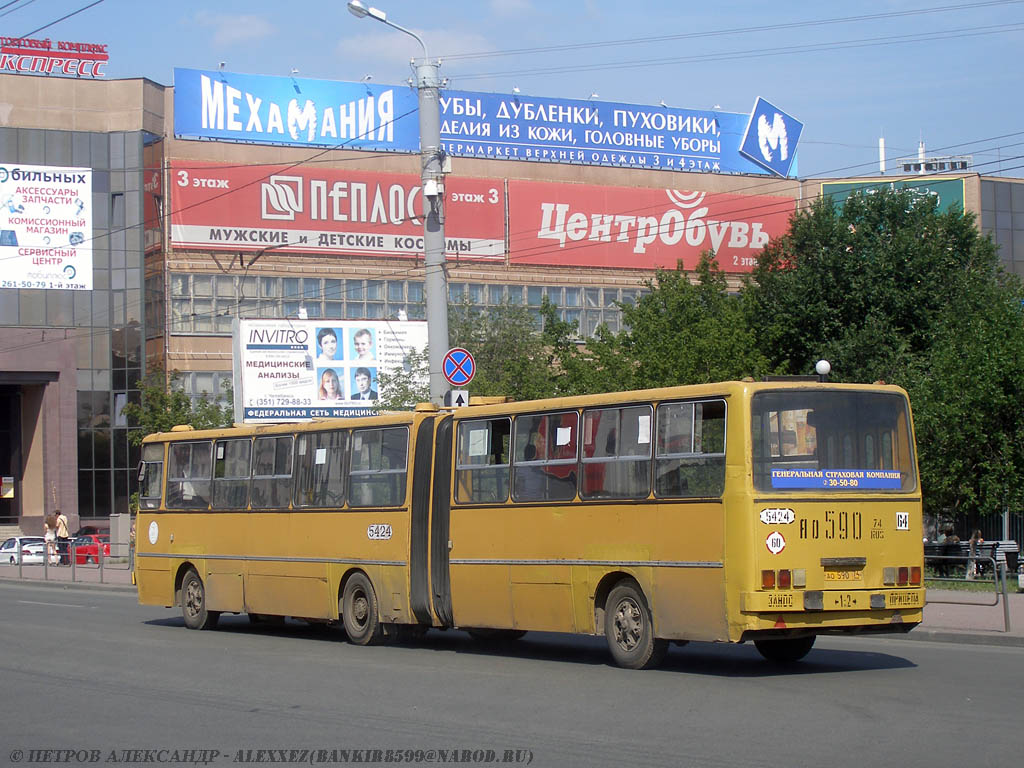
[
  {"x": 886, "y": 287},
  {"x": 165, "y": 404},
  {"x": 968, "y": 396},
  {"x": 862, "y": 284},
  {"x": 513, "y": 358},
  {"x": 678, "y": 332}
]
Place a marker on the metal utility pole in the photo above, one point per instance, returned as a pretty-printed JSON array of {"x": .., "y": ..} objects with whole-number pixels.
[{"x": 428, "y": 83}]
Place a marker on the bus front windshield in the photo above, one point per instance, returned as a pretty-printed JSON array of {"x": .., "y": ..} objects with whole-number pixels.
[{"x": 835, "y": 440}]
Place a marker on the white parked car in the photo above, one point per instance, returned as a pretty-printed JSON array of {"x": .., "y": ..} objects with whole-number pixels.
[{"x": 28, "y": 549}]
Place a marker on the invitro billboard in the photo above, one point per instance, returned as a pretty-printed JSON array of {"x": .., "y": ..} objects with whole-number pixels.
[{"x": 297, "y": 370}]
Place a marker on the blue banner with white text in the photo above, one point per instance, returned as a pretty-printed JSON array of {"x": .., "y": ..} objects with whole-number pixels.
[
  {"x": 325, "y": 113},
  {"x": 262, "y": 109}
]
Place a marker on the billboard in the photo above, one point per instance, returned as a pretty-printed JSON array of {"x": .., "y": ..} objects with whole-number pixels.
[
  {"x": 296, "y": 370},
  {"x": 46, "y": 227},
  {"x": 491, "y": 125},
  {"x": 326, "y": 113},
  {"x": 320, "y": 210},
  {"x": 295, "y": 111},
  {"x": 948, "y": 193},
  {"x": 637, "y": 228},
  {"x": 771, "y": 138}
]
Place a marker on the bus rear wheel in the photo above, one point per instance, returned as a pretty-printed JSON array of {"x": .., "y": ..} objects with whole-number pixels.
[
  {"x": 785, "y": 651},
  {"x": 359, "y": 611},
  {"x": 193, "y": 603},
  {"x": 629, "y": 629}
]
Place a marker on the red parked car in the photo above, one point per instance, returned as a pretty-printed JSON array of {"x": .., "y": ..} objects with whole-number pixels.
[{"x": 87, "y": 548}]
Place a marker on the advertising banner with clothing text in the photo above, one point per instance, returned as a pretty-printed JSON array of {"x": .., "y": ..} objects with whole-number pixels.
[
  {"x": 323, "y": 210},
  {"x": 639, "y": 228},
  {"x": 303, "y": 112},
  {"x": 296, "y": 370}
]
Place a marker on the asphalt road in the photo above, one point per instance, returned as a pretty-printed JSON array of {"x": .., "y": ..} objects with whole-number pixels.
[{"x": 92, "y": 671}]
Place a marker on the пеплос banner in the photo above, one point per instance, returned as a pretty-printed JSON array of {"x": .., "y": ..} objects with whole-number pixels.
[{"x": 327, "y": 113}]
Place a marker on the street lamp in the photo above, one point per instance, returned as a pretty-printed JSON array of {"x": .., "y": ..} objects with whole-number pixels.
[{"x": 428, "y": 83}]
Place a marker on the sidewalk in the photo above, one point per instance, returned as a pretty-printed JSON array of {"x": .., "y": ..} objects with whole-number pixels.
[
  {"x": 970, "y": 617},
  {"x": 116, "y": 575},
  {"x": 949, "y": 616}
]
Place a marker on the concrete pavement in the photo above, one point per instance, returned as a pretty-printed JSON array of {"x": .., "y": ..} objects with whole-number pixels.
[{"x": 949, "y": 615}]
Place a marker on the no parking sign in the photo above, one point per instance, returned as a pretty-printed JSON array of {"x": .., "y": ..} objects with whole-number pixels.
[{"x": 458, "y": 367}]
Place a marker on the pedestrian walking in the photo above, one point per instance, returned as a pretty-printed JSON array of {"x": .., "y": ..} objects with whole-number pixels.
[
  {"x": 63, "y": 539},
  {"x": 50, "y": 539}
]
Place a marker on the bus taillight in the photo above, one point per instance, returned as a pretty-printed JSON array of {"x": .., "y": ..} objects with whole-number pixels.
[
  {"x": 785, "y": 579},
  {"x": 915, "y": 575},
  {"x": 767, "y": 579},
  {"x": 903, "y": 577}
]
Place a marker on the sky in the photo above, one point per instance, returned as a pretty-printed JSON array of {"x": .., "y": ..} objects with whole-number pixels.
[{"x": 939, "y": 71}]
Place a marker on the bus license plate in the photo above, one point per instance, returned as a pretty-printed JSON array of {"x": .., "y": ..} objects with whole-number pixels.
[{"x": 843, "y": 575}]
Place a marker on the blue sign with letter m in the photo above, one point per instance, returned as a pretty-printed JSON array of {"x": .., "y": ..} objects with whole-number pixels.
[{"x": 771, "y": 138}]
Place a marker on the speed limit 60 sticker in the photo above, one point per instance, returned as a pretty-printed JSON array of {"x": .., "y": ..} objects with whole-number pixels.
[{"x": 775, "y": 542}]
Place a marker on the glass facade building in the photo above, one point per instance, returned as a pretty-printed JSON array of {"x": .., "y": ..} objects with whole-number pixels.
[{"x": 105, "y": 325}]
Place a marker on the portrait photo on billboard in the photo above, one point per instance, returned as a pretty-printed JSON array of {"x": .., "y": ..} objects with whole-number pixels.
[
  {"x": 363, "y": 384},
  {"x": 331, "y": 388},
  {"x": 328, "y": 348},
  {"x": 362, "y": 344}
]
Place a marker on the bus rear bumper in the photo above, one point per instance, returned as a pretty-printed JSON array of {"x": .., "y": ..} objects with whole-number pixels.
[{"x": 829, "y": 601}]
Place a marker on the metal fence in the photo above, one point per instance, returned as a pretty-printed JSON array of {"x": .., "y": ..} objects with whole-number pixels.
[
  {"x": 70, "y": 564},
  {"x": 1009, "y": 525}
]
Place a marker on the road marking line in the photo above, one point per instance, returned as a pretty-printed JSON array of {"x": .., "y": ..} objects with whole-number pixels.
[{"x": 58, "y": 605}]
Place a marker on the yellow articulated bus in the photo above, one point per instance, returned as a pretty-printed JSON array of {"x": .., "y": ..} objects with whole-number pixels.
[{"x": 771, "y": 511}]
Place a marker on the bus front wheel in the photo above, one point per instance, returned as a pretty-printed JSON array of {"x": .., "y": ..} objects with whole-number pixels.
[
  {"x": 629, "y": 629},
  {"x": 193, "y": 603},
  {"x": 785, "y": 651},
  {"x": 359, "y": 611}
]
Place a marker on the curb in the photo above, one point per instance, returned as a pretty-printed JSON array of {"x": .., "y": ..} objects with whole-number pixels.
[
  {"x": 965, "y": 638},
  {"x": 70, "y": 585}
]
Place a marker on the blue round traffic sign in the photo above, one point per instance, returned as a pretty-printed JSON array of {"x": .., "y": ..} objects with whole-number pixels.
[{"x": 459, "y": 367}]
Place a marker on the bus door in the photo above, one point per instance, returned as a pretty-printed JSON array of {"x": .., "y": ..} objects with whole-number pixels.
[{"x": 479, "y": 568}]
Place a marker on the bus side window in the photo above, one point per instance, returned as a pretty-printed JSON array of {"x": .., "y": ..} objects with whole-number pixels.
[
  {"x": 231, "y": 473},
  {"x": 616, "y": 453},
  {"x": 482, "y": 460},
  {"x": 271, "y": 472},
  {"x": 188, "y": 475},
  {"x": 379, "y": 467},
  {"x": 151, "y": 478},
  {"x": 545, "y": 459},
  {"x": 690, "y": 459},
  {"x": 320, "y": 463}
]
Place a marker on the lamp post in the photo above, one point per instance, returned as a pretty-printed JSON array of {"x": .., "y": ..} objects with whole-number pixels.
[{"x": 428, "y": 83}]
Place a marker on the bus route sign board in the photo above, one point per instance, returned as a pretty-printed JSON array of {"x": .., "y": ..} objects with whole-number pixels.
[{"x": 458, "y": 367}]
